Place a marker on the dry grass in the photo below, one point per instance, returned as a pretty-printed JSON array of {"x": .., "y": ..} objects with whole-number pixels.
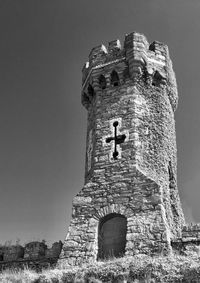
[
  {"x": 18, "y": 276},
  {"x": 140, "y": 268}
]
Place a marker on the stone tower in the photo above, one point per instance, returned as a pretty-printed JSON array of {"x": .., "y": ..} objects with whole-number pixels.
[{"x": 130, "y": 202}]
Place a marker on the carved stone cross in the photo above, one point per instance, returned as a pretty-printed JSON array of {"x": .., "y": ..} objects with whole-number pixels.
[{"x": 118, "y": 139}]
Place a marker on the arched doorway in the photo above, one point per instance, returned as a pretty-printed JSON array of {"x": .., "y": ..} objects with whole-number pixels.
[{"x": 112, "y": 236}]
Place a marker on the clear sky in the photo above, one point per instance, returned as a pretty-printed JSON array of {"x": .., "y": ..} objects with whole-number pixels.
[{"x": 43, "y": 46}]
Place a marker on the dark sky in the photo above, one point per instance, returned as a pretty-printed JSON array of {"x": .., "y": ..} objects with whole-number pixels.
[{"x": 44, "y": 44}]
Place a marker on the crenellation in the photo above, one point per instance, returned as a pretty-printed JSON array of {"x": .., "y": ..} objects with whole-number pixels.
[
  {"x": 158, "y": 48},
  {"x": 136, "y": 52},
  {"x": 136, "y": 60},
  {"x": 85, "y": 72},
  {"x": 133, "y": 38},
  {"x": 172, "y": 86},
  {"x": 114, "y": 47},
  {"x": 97, "y": 55}
]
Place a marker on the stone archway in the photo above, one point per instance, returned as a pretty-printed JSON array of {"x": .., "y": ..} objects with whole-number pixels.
[{"x": 112, "y": 236}]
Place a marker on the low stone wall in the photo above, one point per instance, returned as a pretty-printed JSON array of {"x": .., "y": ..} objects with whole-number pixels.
[
  {"x": 191, "y": 231},
  {"x": 36, "y": 255},
  {"x": 11, "y": 253},
  {"x": 35, "y": 250},
  {"x": 190, "y": 240}
]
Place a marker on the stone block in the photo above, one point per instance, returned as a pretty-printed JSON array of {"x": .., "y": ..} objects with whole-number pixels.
[
  {"x": 35, "y": 250},
  {"x": 12, "y": 253}
]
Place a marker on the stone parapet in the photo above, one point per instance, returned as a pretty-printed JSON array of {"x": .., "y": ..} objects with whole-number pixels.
[{"x": 140, "y": 58}]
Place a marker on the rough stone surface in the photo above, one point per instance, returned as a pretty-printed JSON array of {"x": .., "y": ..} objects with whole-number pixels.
[
  {"x": 54, "y": 251},
  {"x": 189, "y": 242},
  {"x": 12, "y": 253},
  {"x": 35, "y": 250},
  {"x": 140, "y": 183},
  {"x": 35, "y": 255},
  {"x": 31, "y": 251}
]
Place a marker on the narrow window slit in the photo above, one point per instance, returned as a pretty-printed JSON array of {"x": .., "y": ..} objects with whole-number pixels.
[
  {"x": 114, "y": 78},
  {"x": 102, "y": 82}
]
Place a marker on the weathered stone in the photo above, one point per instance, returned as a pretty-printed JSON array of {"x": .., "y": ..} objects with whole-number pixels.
[
  {"x": 11, "y": 253},
  {"x": 35, "y": 250},
  {"x": 34, "y": 255},
  {"x": 55, "y": 250},
  {"x": 130, "y": 153},
  {"x": 81, "y": 200}
]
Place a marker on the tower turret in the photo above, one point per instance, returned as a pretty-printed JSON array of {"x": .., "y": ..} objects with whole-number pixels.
[{"x": 129, "y": 203}]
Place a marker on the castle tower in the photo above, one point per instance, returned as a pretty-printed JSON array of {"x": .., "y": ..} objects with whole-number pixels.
[{"x": 129, "y": 203}]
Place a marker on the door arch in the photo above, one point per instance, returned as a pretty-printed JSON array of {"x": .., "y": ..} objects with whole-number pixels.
[{"x": 112, "y": 236}]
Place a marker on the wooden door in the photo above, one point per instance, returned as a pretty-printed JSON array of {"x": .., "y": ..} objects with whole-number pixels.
[{"x": 112, "y": 236}]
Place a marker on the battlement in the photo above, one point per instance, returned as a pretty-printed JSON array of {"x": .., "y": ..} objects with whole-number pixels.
[
  {"x": 149, "y": 62},
  {"x": 100, "y": 55}
]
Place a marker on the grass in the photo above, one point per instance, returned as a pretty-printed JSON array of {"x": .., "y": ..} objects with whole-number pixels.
[{"x": 140, "y": 269}]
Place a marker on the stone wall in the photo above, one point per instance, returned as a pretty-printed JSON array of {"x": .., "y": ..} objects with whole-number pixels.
[
  {"x": 189, "y": 243},
  {"x": 33, "y": 254}
]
